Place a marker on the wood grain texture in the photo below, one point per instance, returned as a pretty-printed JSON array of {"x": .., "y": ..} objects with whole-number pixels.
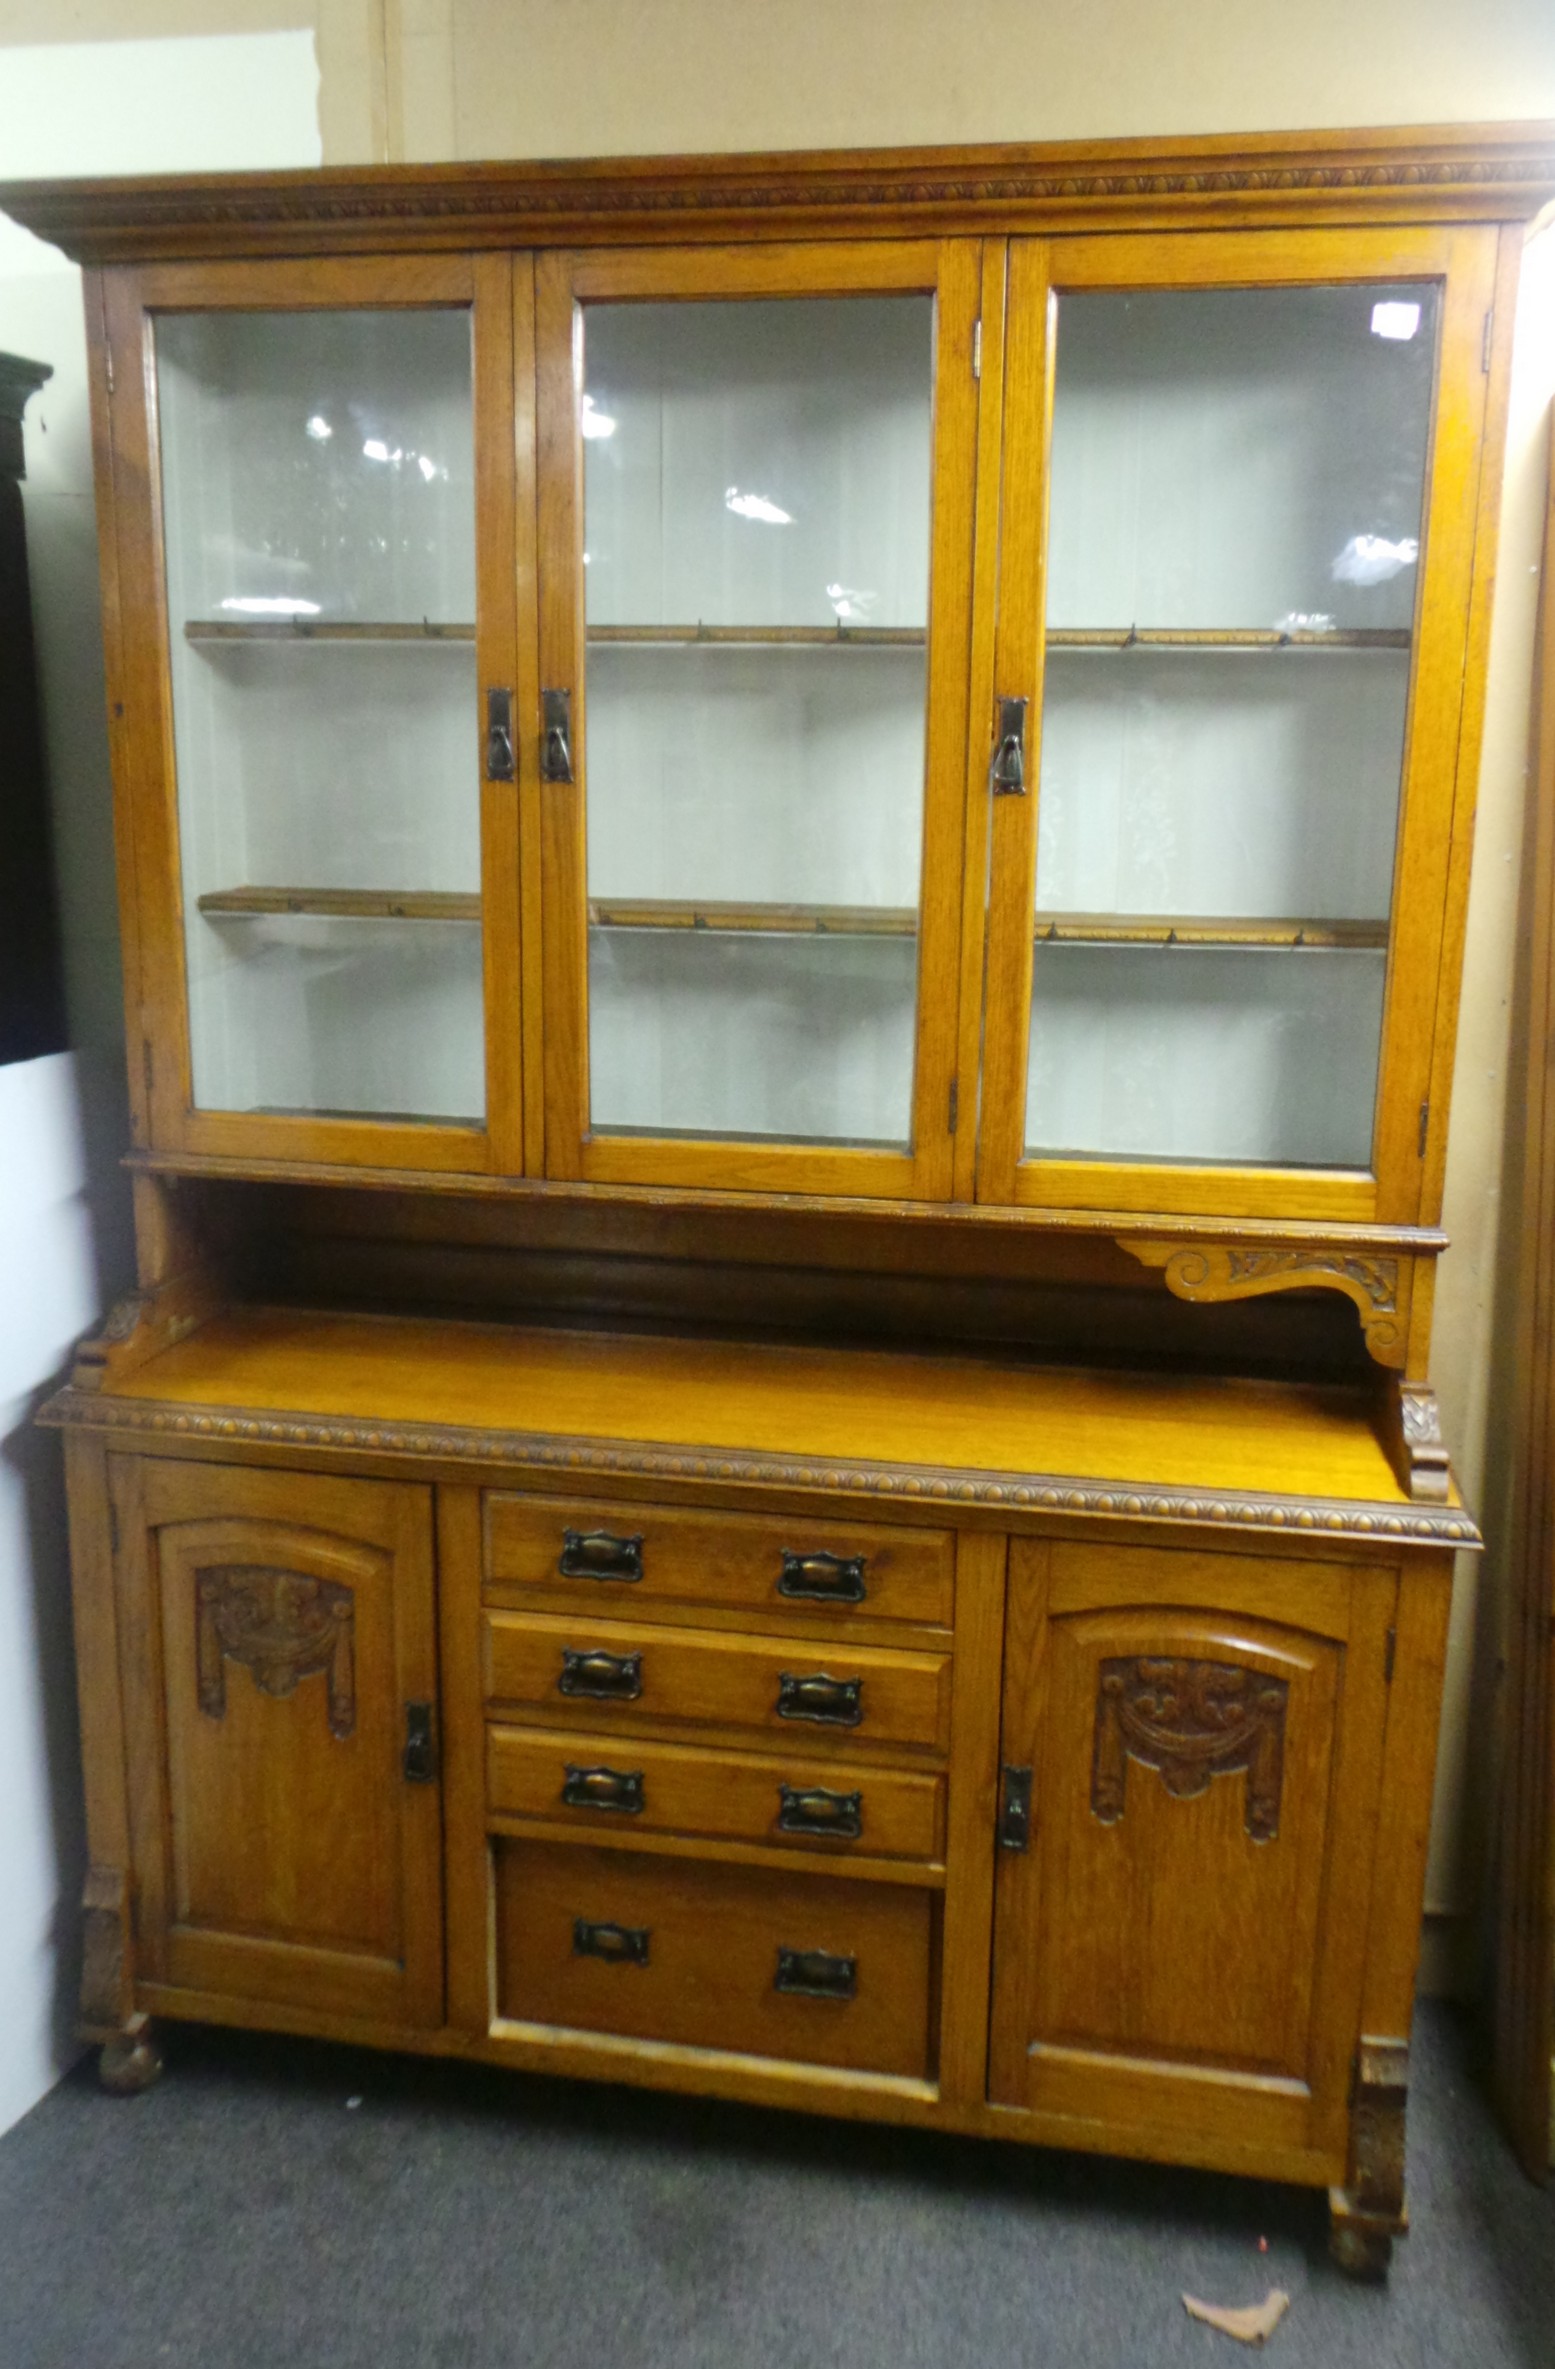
[
  {"x": 711, "y": 1938},
  {"x": 1473, "y": 172}
]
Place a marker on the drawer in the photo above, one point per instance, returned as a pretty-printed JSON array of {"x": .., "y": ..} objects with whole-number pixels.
[
  {"x": 798, "y": 1804},
  {"x": 613, "y": 1555},
  {"x": 812, "y": 1968},
  {"x": 627, "y": 1673}
]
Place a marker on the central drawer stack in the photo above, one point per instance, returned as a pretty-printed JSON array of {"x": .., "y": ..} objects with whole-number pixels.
[{"x": 716, "y": 1754}]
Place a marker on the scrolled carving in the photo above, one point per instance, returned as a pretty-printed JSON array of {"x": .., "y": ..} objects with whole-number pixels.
[
  {"x": 283, "y": 1626},
  {"x": 1190, "y": 1721},
  {"x": 1226, "y": 1271}
]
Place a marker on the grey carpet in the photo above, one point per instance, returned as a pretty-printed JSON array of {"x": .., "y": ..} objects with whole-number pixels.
[{"x": 244, "y": 2216}]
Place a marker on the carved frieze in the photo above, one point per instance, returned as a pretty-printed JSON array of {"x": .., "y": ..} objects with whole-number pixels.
[
  {"x": 283, "y": 1626},
  {"x": 1190, "y": 1721}
]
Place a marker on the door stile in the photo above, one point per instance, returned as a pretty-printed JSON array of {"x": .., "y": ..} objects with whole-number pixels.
[
  {"x": 564, "y": 942},
  {"x": 526, "y": 706},
  {"x": 976, "y": 830},
  {"x": 499, "y": 476},
  {"x": 1019, "y": 657}
]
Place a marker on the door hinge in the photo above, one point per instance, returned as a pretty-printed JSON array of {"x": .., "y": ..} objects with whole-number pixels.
[
  {"x": 108, "y": 363},
  {"x": 113, "y": 1529},
  {"x": 1486, "y": 339},
  {"x": 955, "y": 1105},
  {"x": 147, "y": 1068},
  {"x": 1015, "y": 1809},
  {"x": 977, "y": 349},
  {"x": 1425, "y": 1121},
  {"x": 1389, "y": 1651}
]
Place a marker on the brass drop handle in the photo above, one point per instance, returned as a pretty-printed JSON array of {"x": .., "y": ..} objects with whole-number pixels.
[
  {"x": 600, "y": 1554},
  {"x": 816, "y": 1974},
  {"x": 814, "y": 1809},
  {"x": 823, "y": 1578},
  {"x": 607, "y": 1677},
  {"x": 830, "y": 1702},
  {"x": 603, "y": 1789},
  {"x": 1007, "y": 768},
  {"x": 556, "y": 736},
  {"x": 618, "y": 1945},
  {"x": 499, "y": 736}
]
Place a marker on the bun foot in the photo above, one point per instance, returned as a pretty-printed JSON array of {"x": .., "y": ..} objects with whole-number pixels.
[{"x": 131, "y": 2060}]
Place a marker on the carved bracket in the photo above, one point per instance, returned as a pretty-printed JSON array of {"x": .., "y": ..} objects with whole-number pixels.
[
  {"x": 1226, "y": 1271},
  {"x": 282, "y": 1626},
  {"x": 1190, "y": 1721},
  {"x": 1422, "y": 1455}
]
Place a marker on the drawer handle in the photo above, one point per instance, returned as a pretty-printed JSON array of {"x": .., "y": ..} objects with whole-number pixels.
[
  {"x": 618, "y": 1945},
  {"x": 816, "y": 1974},
  {"x": 608, "y": 1677},
  {"x": 604, "y": 1789},
  {"x": 822, "y": 1578},
  {"x": 599, "y": 1554},
  {"x": 830, "y": 1702},
  {"x": 811, "y": 1809}
]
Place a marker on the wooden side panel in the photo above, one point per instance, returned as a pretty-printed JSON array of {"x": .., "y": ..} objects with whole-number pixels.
[
  {"x": 283, "y": 1627},
  {"x": 1201, "y": 1805}
]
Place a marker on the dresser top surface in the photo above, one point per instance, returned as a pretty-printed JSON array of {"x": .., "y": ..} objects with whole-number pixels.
[{"x": 938, "y": 1416}]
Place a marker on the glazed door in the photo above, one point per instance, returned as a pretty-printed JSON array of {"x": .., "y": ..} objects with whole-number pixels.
[
  {"x": 283, "y": 1738},
  {"x": 756, "y": 477},
  {"x": 1240, "y": 493},
  {"x": 1192, "y": 1748},
  {"x": 320, "y": 741}
]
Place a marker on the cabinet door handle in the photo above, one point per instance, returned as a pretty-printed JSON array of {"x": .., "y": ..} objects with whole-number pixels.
[
  {"x": 812, "y": 1809},
  {"x": 823, "y": 1578},
  {"x": 599, "y": 1554},
  {"x": 419, "y": 1759},
  {"x": 1007, "y": 767},
  {"x": 499, "y": 736},
  {"x": 604, "y": 1789},
  {"x": 618, "y": 1945},
  {"x": 556, "y": 736},
  {"x": 830, "y": 1702},
  {"x": 816, "y": 1974},
  {"x": 609, "y": 1677}
]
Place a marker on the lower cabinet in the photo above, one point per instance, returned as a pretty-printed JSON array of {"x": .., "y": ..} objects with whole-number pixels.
[
  {"x": 1192, "y": 1750},
  {"x": 281, "y": 1716}
]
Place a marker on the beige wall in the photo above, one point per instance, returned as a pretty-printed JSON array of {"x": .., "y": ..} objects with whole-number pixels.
[{"x": 470, "y": 78}]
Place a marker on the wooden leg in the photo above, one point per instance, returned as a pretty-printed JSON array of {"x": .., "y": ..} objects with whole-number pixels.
[
  {"x": 131, "y": 2060},
  {"x": 1368, "y": 2213}
]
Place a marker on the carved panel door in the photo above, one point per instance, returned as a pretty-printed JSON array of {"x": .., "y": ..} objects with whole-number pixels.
[
  {"x": 1181, "y": 1909},
  {"x": 282, "y": 1706}
]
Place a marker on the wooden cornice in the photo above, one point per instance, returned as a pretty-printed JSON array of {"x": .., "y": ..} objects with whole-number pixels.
[{"x": 1463, "y": 172}]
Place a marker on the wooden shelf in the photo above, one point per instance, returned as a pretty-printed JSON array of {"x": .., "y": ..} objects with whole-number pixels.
[
  {"x": 798, "y": 637},
  {"x": 1185, "y": 929},
  {"x": 309, "y": 629},
  {"x": 1235, "y": 637},
  {"x": 843, "y": 921},
  {"x": 348, "y": 904}
]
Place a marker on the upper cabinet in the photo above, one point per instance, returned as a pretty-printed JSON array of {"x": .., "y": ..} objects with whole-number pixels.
[
  {"x": 983, "y": 715},
  {"x": 1240, "y": 494}
]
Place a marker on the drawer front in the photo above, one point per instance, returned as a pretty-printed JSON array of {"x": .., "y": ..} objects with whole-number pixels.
[
  {"x": 814, "y": 1969},
  {"x": 627, "y": 1674},
  {"x": 620, "y": 1556},
  {"x": 798, "y": 1804}
]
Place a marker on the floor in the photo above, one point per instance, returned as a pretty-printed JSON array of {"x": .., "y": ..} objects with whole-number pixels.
[{"x": 284, "y": 2205}]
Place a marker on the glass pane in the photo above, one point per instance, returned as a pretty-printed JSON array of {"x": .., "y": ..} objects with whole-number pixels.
[
  {"x": 756, "y": 581},
  {"x": 1236, "y": 518},
  {"x": 319, "y": 521}
]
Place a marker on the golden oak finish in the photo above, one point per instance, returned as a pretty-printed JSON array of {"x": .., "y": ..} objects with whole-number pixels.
[
  {"x": 711, "y": 1939},
  {"x": 930, "y": 1634},
  {"x": 282, "y": 1626}
]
